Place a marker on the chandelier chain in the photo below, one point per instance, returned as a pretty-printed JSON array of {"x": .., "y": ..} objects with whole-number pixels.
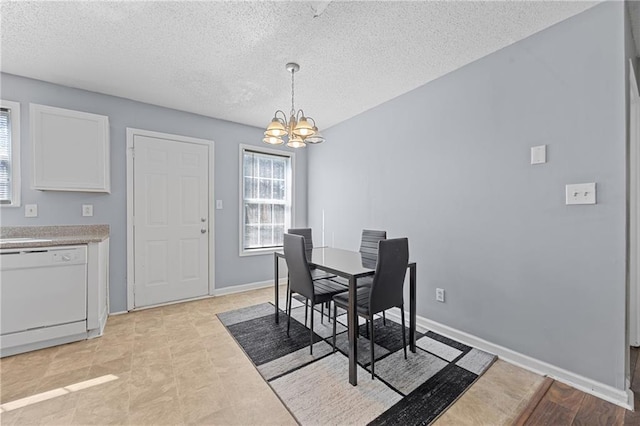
[{"x": 293, "y": 110}]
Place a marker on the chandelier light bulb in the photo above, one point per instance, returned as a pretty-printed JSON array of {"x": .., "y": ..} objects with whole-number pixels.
[
  {"x": 296, "y": 142},
  {"x": 316, "y": 137},
  {"x": 273, "y": 140},
  {"x": 276, "y": 128},
  {"x": 303, "y": 128}
]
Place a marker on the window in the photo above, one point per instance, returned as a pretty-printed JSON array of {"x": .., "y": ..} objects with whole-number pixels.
[
  {"x": 9, "y": 153},
  {"x": 266, "y": 193}
]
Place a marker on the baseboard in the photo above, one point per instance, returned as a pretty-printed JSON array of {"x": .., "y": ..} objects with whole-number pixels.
[
  {"x": 245, "y": 287},
  {"x": 608, "y": 393},
  {"x": 216, "y": 292}
]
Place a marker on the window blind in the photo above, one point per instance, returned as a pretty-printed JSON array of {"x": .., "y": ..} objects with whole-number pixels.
[{"x": 5, "y": 156}]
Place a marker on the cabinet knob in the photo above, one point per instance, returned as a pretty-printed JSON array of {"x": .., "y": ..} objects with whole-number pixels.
[{"x": 203, "y": 231}]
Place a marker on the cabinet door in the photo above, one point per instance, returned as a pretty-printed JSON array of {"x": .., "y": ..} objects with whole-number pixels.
[{"x": 70, "y": 150}]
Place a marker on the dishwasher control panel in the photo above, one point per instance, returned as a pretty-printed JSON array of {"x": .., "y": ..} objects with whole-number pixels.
[
  {"x": 42, "y": 257},
  {"x": 64, "y": 256}
]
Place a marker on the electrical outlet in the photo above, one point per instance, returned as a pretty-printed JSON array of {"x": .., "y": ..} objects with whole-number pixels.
[
  {"x": 87, "y": 210},
  {"x": 30, "y": 210},
  {"x": 440, "y": 294}
]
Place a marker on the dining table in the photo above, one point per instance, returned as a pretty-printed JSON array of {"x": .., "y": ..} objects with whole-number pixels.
[{"x": 351, "y": 266}]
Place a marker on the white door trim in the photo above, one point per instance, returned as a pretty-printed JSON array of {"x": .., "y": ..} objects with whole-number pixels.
[
  {"x": 634, "y": 208},
  {"x": 131, "y": 132}
]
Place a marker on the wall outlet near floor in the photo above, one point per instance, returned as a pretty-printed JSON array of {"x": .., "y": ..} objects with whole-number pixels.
[
  {"x": 30, "y": 210},
  {"x": 440, "y": 294},
  {"x": 87, "y": 210}
]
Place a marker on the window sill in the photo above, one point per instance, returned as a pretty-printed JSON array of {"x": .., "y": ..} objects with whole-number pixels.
[{"x": 260, "y": 252}]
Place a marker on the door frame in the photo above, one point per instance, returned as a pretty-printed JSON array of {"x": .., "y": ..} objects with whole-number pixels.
[
  {"x": 131, "y": 133},
  {"x": 634, "y": 208}
]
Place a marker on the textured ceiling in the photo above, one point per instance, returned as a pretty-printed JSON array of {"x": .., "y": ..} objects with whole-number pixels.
[{"x": 227, "y": 59}]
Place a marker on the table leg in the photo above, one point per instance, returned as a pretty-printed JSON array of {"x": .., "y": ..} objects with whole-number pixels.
[
  {"x": 353, "y": 333},
  {"x": 275, "y": 268},
  {"x": 412, "y": 308}
]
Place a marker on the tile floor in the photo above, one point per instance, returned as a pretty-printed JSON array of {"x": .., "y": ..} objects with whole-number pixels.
[{"x": 178, "y": 365}]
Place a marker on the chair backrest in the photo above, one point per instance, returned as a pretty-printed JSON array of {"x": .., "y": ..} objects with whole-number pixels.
[
  {"x": 388, "y": 281},
  {"x": 299, "y": 274},
  {"x": 308, "y": 240},
  {"x": 369, "y": 246}
]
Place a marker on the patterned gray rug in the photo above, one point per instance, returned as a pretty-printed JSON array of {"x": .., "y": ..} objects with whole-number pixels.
[{"x": 316, "y": 388}]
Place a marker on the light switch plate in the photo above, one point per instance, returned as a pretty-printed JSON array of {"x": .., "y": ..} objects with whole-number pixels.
[
  {"x": 581, "y": 193},
  {"x": 538, "y": 154},
  {"x": 30, "y": 210},
  {"x": 218, "y": 204},
  {"x": 87, "y": 210}
]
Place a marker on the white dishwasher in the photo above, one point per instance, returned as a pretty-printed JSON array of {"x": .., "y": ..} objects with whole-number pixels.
[{"x": 43, "y": 296}]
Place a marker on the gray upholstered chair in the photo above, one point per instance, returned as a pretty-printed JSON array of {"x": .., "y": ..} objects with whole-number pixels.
[
  {"x": 317, "y": 291},
  {"x": 308, "y": 247},
  {"x": 369, "y": 253},
  {"x": 386, "y": 290},
  {"x": 316, "y": 274},
  {"x": 369, "y": 245}
]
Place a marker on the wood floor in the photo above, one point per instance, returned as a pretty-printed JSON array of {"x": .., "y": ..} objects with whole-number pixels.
[{"x": 560, "y": 404}]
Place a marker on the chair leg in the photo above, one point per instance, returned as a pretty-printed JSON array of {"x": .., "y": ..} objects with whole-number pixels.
[
  {"x": 288, "y": 303},
  {"x": 311, "y": 347},
  {"x": 288, "y": 312},
  {"x": 367, "y": 327},
  {"x": 404, "y": 332},
  {"x": 335, "y": 312},
  {"x": 321, "y": 313},
  {"x": 306, "y": 307},
  {"x": 384, "y": 319},
  {"x": 371, "y": 344}
]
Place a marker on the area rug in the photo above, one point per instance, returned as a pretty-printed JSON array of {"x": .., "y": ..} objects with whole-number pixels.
[{"x": 315, "y": 388}]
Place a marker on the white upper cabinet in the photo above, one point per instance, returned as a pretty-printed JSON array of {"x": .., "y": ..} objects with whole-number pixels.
[{"x": 70, "y": 150}]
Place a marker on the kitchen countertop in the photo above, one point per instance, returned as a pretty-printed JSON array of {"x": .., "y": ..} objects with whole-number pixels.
[{"x": 54, "y": 235}]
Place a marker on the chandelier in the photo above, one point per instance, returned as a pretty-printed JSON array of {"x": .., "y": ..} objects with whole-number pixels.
[{"x": 299, "y": 129}]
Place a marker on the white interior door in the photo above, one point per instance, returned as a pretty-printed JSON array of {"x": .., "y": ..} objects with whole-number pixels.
[{"x": 170, "y": 220}]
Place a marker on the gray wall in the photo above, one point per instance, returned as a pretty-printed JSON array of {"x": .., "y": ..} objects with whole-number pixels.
[
  {"x": 64, "y": 208},
  {"x": 447, "y": 165}
]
